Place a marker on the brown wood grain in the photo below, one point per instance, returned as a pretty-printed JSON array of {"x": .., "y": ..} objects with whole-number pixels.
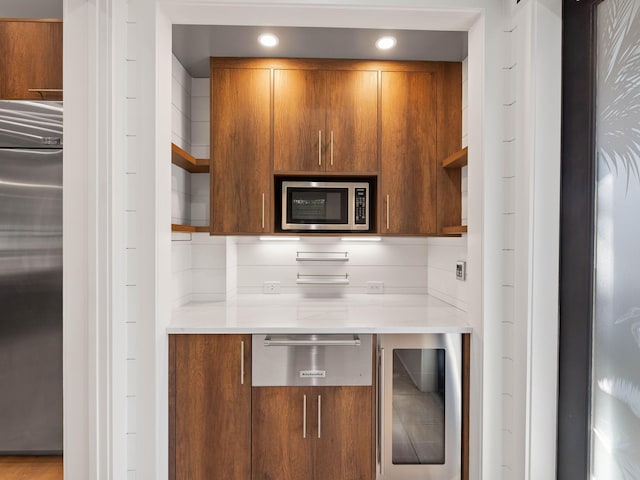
[
  {"x": 279, "y": 451},
  {"x": 172, "y": 407},
  {"x": 408, "y": 144},
  {"x": 185, "y": 160},
  {"x": 325, "y": 64},
  {"x": 449, "y": 142},
  {"x": 454, "y": 229},
  {"x": 241, "y": 151},
  {"x": 212, "y": 407},
  {"x": 299, "y": 113},
  {"x": 352, "y": 116},
  {"x": 466, "y": 378},
  {"x": 457, "y": 159},
  {"x": 343, "y": 450},
  {"x": 31, "y": 468},
  {"x": 31, "y": 53}
]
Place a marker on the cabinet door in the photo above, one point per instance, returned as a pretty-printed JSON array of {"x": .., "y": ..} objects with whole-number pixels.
[
  {"x": 299, "y": 119},
  {"x": 282, "y": 434},
  {"x": 343, "y": 433},
  {"x": 31, "y": 54},
  {"x": 212, "y": 407},
  {"x": 352, "y": 121},
  {"x": 240, "y": 151},
  {"x": 409, "y": 131}
]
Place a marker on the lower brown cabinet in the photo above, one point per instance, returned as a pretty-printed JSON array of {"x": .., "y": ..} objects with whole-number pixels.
[
  {"x": 210, "y": 407},
  {"x": 222, "y": 429},
  {"x": 312, "y": 433}
]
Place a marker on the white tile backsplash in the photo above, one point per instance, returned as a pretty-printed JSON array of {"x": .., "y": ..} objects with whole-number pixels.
[
  {"x": 200, "y": 133},
  {"x": 200, "y": 108},
  {"x": 200, "y": 87},
  {"x": 222, "y": 266},
  {"x": 190, "y": 192}
]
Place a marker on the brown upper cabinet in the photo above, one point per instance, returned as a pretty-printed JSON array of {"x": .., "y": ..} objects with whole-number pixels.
[
  {"x": 392, "y": 120},
  {"x": 241, "y": 185},
  {"x": 325, "y": 120},
  {"x": 421, "y": 124},
  {"x": 409, "y": 135},
  {"x": 31, "y": 65}
]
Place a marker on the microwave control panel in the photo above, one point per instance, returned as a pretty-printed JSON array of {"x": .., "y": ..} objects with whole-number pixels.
[{"x": 361, "y": 206}]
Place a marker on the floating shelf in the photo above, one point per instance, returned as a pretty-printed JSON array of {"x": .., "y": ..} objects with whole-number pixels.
[
  {"x": 187, "y": 161},
  {"x": 454, "y": 229},
  {"x": 457, "y": 160},
  {"x": 176, "y": 227}
]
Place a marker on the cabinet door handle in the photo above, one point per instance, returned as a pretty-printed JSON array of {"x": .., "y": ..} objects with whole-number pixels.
[
  {"x": 304, "y": 416},
  {"x": 332, "y": 148},
  {"x": 320, "y": 147},
  {"x": 45, "y": 90},
  {"x": 381, "y": 406},
  {"x": 263, "y": 211},
  {"x": 319, "y": 415},
  {"x": 242, "y": 362},
  {"x": 387, "y": 212}
]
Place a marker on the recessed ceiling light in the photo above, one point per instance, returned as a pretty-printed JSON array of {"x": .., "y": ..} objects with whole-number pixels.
[
  {"x": 385, "y": 43},
  {"x": 268, "y": 40}
]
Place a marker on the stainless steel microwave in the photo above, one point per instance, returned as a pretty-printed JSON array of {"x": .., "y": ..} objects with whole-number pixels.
[{"x": 326, "y": 205}]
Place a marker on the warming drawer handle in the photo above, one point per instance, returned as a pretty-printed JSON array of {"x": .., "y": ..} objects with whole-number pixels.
[{"x": 270, "y": 342}]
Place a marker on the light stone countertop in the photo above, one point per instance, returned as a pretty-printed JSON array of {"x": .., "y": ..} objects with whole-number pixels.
[{"x": 287, "y": 313}]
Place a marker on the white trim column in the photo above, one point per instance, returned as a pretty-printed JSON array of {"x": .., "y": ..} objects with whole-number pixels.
[{"x": 86, "y": 239}]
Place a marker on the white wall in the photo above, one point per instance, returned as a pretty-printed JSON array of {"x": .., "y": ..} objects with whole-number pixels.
[
  {"x": 200, "y": 117},
  {"x": 211, "y": 268},
  {"x": 149, "y": 300},
  {"x": 180, "y": 105},
  {"x": 190, "y": 131},
  {"x": 132, "y": 169}
]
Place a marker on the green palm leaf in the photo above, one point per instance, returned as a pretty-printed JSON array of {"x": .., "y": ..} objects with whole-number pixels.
[{"x": 618, "y": 100}]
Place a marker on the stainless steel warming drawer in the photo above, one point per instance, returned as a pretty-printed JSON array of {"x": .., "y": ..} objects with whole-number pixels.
[{"x": 311, "y": 360}]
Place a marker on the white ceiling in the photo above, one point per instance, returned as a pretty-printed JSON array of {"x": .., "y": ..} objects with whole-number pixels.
[
  {"x": 194, "y": 44},
  {"x": 31, "y": 9}
]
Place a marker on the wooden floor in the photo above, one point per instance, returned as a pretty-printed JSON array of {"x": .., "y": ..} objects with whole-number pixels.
[{"x": 31, "y": 468}]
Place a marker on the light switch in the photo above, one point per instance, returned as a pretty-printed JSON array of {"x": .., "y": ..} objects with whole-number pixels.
[{"x": 461, "y": 270}]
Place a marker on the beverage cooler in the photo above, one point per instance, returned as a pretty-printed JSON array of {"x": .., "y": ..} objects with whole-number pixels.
[{"x": 419, "y": 407}]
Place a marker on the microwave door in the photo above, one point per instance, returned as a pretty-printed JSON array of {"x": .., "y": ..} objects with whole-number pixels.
[{"x": 316, "y": 208}]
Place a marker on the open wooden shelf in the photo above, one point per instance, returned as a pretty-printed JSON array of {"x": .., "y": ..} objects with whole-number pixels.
[
  {"x": 176, "y": 227},
  {"x": 187, "y": 161},
  {"x": 454, "y": 229},
  {"x": 457, "y": 160}
]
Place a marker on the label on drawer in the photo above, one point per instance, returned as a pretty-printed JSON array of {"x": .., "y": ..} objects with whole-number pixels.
[{"x": 313, "y": 373}]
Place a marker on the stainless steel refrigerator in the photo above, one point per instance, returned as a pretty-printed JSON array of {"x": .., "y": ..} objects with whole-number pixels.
[{"x": 30, "y": 277}]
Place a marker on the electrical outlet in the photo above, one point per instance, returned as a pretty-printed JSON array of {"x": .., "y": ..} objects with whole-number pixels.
[
  {"x": 375, "y": 287},
  {"x": 271, "y": 286},
  {"x": 461, "y": 271}
]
